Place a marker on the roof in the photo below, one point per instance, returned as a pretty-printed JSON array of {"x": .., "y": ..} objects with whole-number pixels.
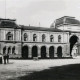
[
  {"x": 8, "y": 23},
  {"x": 66, "y": 20},
  {"x": 40, "y": 28}
]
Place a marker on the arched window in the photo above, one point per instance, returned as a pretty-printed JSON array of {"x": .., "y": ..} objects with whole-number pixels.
[
  {"x": 9, "y": 36},
  {"x": 25, "y": 37},
  {"x": 13, "y": 50},
  {"x": 4, "y": 50},
  {"x": 34, "y": 37},
  {"x": 9, "y": 50},
  {"x": 43, "y": 38},
  {"x": 51, "y": 38},
  {"x": 59, "y": 38}
]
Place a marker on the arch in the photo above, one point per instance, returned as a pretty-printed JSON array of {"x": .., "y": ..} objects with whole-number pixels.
[
  {"x": 51, "y": 38},
  {"x": 4, "y": 50},
  {"x": 43, "y": 38},
  {"x": 25, "y": 36},
  {"x": 51, "y": 52},
  {"x": 59, "y": 51},
  {"x": 25, "y": 52},
  {"x": 9, "y": 50},
  {"x": 59, "y": 38},
  {"x": 9, "y": 36},
  {"x": 34, "y": 51},
  {"x": 34, "y": 37},
  {"x": 13, "y": 50},
  {"x": 43, "y": 52},
  {"x": 73, "y": 39}
]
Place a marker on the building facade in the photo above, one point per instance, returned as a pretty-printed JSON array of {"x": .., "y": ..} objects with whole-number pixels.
[
  {"x": 28, "y": 41},
  {"x": 72, "y": 25}
]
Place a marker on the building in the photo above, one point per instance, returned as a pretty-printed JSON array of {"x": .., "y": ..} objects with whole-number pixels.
[
  {"x": 72, "y": 25},
  {"x": 28, "y": 41}
]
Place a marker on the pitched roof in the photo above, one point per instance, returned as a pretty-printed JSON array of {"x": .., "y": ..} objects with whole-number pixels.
[
  {"x": 8, "y": 23},
  {"x": 40, "y": 28}
]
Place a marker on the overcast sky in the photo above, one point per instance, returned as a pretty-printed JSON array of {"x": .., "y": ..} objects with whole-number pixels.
[{"x": 34, "y": 12}]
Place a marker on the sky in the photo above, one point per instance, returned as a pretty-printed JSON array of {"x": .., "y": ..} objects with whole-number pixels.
[{"x": 40, "y": 13}]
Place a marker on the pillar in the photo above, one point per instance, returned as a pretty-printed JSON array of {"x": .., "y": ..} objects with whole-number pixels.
[
  {"x": 6, "y": 49},
  {"x": 30, "y": 53},
  {"x": 39, "y": 52},
  {"x": 55, "y": 51},
  {"x": 47, "y": 52}
]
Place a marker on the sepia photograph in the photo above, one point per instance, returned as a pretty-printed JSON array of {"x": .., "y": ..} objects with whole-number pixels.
[{"x": 39, "y": 39}]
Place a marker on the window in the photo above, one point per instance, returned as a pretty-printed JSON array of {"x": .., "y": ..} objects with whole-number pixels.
[
  {"x": 9, "y": 50},
  {"x": 4, "y": 50},
  {"x": 25, "y": 37},
  {"x": 43, "y": 38},
  {"x": 51, "y": 38},
  {"x": 59, "y": 38},
  {"x": 34, "y": 37},
  {"x": 9, "y": 36},
  {"x": 13, "y": 50}
]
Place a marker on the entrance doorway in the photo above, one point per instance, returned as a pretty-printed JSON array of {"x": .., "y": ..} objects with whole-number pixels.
[
  {"x": 51, "y": 52},
  {"x": 72, "y": 41},
  {"x": 34, "y": 51},
  {"x": 43, "y": 52},
  {"x": 59, "y": 51},
  {"x": 25, "y": 52}
]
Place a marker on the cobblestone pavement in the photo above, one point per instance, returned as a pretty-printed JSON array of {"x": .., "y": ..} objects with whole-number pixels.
[{"x": 17, "y": 68}]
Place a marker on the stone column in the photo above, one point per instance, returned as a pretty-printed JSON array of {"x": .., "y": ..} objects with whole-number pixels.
[
  {"x": 79, "y": 50},
  {"x": 30, "y": 53},
  {"x": 11, "y": 50},
  {"x": 39, "y": 52},
  {"x": 47, "y": 51},
  {"x": 6, "y": 49},
  {"x": 55, "y": 51}
]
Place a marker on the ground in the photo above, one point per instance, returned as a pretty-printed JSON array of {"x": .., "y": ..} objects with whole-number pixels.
[{"x": 60, "y": 69}]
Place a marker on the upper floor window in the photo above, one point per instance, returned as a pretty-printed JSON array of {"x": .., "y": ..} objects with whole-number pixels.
[
  {"x": 51, "y": 38},
  {"x": 59, "y": 38},
  {"x": 43, "y": 38},
  {"x": 25, "y": 37},
  {"x": 9, "y": 36},
  {"x": 34, "y": 37}
]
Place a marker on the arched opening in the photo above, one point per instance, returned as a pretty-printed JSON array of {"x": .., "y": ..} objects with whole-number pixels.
[
  {"x": 59, "y": 51},
  {"x": 13, "y": 50},
  {"x": 51, "y": 52},
  {"x": 25, "y": 52},
  {"x": 9, "y": 36},
  {"x": 59, "y": 38},
  {"x": 34, "y": 51},
  {"x": 25, "y": 37},
  {"x": 4, "y": 50},
  {"x": 43, "y": 52},
  {"x": 34, "y": 37},
  {"x": 43, "y": 38},
  {"x": 72, "y": 41},
  {"x": 9, "y": 50},
  {"x": 51, "y": 38}
]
